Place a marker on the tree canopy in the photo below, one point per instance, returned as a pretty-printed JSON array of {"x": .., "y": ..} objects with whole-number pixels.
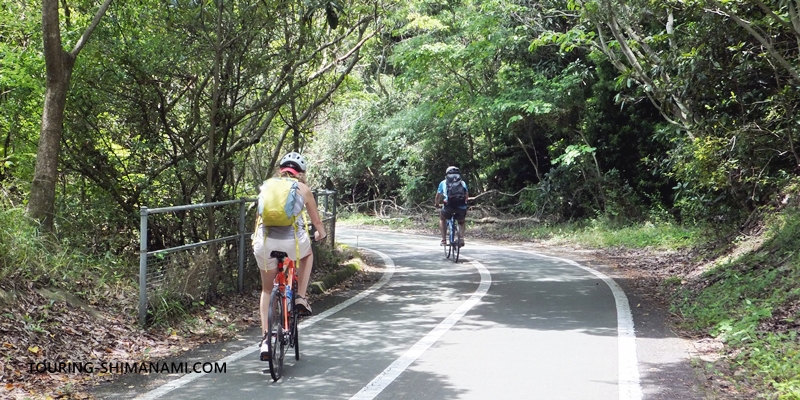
[{"x": 559, "y": 109}]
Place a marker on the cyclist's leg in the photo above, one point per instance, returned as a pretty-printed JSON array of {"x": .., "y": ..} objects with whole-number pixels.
[
  {"x": 304, "y": 273},
  {"x": 267, "y": 280},
  {"x": 461, "y": 218},
  {"x": 267, "y": 268}
]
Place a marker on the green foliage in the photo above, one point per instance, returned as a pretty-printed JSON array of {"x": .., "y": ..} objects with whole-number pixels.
[{"x": 21, "y": 88}]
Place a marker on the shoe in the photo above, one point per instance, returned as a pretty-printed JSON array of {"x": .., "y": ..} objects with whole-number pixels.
[
  {"x": 264, "y": 349},
  {"x": 302, "y": 306},
  {"x": 443, "y": 242},
  {"x": 460, "y": 242}
]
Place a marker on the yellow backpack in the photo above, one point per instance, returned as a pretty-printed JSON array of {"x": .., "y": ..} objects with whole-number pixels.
[{"x": 279, "y": 202}]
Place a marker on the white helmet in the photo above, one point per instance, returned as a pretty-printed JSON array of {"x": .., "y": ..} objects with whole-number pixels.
[{"x": 294, "y": 159}]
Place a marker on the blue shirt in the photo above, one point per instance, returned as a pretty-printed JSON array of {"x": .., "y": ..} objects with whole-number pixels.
[{"x": 443, "y": 190}]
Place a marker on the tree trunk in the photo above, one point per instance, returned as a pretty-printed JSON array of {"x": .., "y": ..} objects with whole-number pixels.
[
  {"x": 58, "y": 70},
  {"x": 58, "y": 64}
]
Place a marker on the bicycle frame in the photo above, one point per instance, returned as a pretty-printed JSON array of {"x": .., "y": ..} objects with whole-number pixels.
[
  {"x": 286, "y": 275},
  {"x": 450, "y": 223}
]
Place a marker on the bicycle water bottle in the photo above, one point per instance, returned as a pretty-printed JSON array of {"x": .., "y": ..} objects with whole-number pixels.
[{"x": 289, "y": 302}]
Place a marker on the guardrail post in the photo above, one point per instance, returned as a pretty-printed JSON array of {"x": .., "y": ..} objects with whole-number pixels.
[
  {"x": 333, "y": 222},
  {"x": 143, "y": 266},
  {"x": 241, "y": 246}
]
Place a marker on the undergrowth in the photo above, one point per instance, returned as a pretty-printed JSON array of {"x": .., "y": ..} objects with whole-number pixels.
[
  {"x": 28, "y": 257},
  {"x": 752, "y": 303}
]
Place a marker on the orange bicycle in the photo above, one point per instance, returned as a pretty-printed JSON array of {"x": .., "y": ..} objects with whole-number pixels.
[{"x": 282, "y": 317}]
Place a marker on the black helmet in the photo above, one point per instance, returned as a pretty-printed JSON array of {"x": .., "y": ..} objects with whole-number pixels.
[{"x": 452, "y": 170}]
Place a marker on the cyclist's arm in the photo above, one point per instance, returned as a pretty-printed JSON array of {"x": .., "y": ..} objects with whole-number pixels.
[
  {"x": 438, "y": 199},
  {"x": 313, "y": 212}
]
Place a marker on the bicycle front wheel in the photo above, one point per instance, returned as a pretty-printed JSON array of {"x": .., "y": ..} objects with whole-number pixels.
[
  {"x": 275, "y": 332},
  {"x": 455, "y": 243},
  {"x": 295, "y": 320}
]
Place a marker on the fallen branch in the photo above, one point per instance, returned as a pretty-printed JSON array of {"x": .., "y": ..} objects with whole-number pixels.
[
  {"x": 501, "y": 193},
  {"x": 493, "y": 220}
]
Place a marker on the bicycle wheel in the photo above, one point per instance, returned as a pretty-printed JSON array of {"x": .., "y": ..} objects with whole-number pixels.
[
  {"x": 275, "y": 341},
  {"x": 295, "y": 320},
  {"x": 448, "y": 249},
  {"x": 454, "y": 243}
]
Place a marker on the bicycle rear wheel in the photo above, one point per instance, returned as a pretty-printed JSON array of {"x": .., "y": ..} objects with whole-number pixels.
[{"x": 275, "y": 342}]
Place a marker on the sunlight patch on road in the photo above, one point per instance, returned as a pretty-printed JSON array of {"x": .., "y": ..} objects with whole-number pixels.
[
  {"x": 380, "y": 382},
  {"x": 629, "y": 388},
  {"x": 182, "y": 381}
]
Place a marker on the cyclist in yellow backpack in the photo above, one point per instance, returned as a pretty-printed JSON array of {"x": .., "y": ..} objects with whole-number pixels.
[{"x": 291, "y": 239}]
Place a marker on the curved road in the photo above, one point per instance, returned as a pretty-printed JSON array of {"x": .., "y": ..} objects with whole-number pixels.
[{"x": 502, "y": 323}]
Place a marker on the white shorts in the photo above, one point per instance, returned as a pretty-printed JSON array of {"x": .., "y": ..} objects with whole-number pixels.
[{"x": 261, "y": 249}]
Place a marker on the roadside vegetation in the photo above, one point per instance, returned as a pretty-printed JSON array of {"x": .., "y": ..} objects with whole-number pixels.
[{"x": 64, "y": 303}]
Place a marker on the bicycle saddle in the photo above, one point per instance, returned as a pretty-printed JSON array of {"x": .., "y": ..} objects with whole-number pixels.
[{"x": 278, "y": 254}]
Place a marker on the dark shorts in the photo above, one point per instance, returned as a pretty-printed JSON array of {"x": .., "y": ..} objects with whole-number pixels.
[{"x": 448, "y": 211}]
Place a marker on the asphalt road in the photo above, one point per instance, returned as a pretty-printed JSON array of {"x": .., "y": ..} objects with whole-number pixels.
[{"x": 503, "y": 323}]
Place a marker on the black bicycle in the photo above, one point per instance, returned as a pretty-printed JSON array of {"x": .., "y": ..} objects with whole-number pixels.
[{"x": 451, "y": 247}]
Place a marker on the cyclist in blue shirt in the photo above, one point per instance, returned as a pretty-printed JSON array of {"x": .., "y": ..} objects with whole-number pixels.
[{"x": 452, "y": 193}]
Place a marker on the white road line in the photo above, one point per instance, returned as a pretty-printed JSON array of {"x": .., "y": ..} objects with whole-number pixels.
[
  {"x": 387, "y": 274},
  {"x": 394, "y": 370},
  {"x": 629, "y": 388}
]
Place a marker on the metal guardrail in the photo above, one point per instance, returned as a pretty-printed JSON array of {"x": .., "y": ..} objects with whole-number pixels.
[{"x": 186, "y": 270}]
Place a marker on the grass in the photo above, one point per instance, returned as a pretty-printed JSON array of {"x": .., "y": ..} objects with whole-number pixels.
[
  {"x": 399, "y": 222},
  {"x": 596, "y": 233},
  {"x": 663, "y": 236},
  {"x": 601, "y": 234}
]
